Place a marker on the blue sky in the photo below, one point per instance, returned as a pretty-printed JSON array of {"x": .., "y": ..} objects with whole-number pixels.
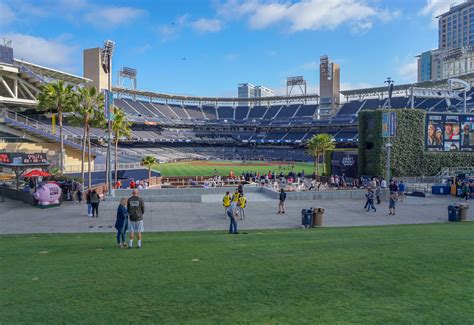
[{"x": 206, "y": 48}]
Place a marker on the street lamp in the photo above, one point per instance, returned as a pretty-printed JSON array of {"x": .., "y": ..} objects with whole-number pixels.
[
  {"x": 388, "y": 145},
  {"x": 106, "y": 56}
]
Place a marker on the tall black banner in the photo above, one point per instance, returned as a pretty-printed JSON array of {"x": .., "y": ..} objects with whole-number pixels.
[{"x": 344, "y": 162}]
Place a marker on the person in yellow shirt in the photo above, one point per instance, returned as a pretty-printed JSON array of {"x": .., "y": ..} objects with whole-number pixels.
[
  {"x": 226, "y": 203},
  {"x": 242, "y": 205},
  {"x": 235, "y": 199}
]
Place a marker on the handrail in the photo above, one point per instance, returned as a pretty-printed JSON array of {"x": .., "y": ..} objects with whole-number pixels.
[
  {"x": 69, "y": 136},
  {"x": 102, "y": 167}
]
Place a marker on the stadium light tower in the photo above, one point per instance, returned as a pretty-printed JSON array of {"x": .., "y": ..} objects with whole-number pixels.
[
  {"x": 389, "y": 83},
  {"x": 107, "y": 53}
]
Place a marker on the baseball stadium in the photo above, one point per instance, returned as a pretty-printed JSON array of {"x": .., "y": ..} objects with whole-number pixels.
[{"x": 90, "y": 162}]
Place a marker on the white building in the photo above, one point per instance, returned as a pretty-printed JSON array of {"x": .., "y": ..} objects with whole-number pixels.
[{"x": 248, "y": 90}]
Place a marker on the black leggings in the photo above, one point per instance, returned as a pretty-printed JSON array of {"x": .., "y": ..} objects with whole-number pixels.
[{"x": 95, "y": 210}]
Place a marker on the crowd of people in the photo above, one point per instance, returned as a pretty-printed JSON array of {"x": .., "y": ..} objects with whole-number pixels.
[
  {"x": 375, "y": 186},
  {"x": 234, "y": 208}
]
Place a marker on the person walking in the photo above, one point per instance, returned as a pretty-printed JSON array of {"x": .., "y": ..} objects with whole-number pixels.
[
  {"x": 370, "y": 200},
  {"x": 88, "y": 202},
  {"x": 281, "y": 204},
  {"x": 95, "y": 200},
  {"x": 242, "y": 205},
  {"x": 401, "y": 191},
  {"x": 136, "y": 209},
  {"x": 233, "y": 218},
  {"x": 226, "y": 202},
  {"x": 80, "y": 190},
  {"x": 378, "y": 193},
  {"x": 393, "y": 187},
  {"x": 391, "y": 204},
  {"x": 121, "y": 223}
]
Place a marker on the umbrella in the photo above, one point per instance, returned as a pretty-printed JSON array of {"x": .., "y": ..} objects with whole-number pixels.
[{"x": 36, "y": 173}]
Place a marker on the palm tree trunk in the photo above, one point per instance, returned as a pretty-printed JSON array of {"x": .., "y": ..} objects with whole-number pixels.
[
  {"x": 89, "y": 157},
  {"x": 317, "y": 164},
  {"x": 149, "y": 172},
  {"x": 324, "y": 162},
  {"x": 314, "y": 165},
  {"x": 61, "y": 141},
  {"x": 83, "y": 155},
  {"x": 116, "y": 161}
]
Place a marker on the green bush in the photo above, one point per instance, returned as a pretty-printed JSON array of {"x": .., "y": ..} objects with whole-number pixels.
[{"x": 408, "y": 157}]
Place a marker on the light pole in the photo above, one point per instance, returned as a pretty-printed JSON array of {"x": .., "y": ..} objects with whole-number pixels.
[
  {"x": 107, "y": 53},
  {"x": 388, "y": 145}
]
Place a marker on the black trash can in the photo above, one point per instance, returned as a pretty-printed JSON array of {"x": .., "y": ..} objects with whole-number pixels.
[
  {"x": 306, "y": 217},
  {"x": 453, "y": 213}
]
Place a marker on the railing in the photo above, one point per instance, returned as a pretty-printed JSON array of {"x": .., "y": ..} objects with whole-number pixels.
[
  {"x": 47, "y": 129},
  {"x": 101, "y": 167},
  {"x": 453, "y": 171}
]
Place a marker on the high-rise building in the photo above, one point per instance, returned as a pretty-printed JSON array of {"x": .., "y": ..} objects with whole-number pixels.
[
  {"x": 456, "y": 27},
  {"x": 329, "y": 83},
  {"x": 455, "y": 53},
  {"x": 261, "y": 91},
  {"x": 247, "y": 90}
]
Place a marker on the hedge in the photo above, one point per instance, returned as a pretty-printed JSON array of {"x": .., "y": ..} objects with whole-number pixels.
[{"x": 409, "y": 157}]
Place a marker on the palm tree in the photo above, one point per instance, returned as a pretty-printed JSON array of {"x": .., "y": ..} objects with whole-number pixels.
[
  {"x": 318, "y": 145},
  {"x": 59, "y": 96},
  {"x": 89, "y": 113},
  {"x": 149, "y": 161},
  {"x": 97, "y": 120},
  {"x": 120, "y": 129}
]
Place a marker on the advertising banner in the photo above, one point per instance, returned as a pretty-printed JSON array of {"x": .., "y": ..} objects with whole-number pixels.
[
  {"x": 449, "y": 132},
  {"x": 344, "y": 162}
]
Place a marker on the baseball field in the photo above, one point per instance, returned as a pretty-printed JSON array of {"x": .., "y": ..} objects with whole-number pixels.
[
  {"x": 224, "y": 167},
  {"x": 417, "y": 274}
]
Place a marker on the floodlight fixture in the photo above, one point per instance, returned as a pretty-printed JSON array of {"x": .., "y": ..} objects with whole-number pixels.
[{"x": 106, "y": 55}]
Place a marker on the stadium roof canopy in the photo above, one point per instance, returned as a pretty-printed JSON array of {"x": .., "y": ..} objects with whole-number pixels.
[
  {"x": 48, "y": 74},
  {"x": 404, "y": 88},
  {"x": 181, "y": 98}
]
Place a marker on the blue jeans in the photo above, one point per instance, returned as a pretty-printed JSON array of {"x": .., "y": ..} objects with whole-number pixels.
[
  {"x": 121, "y": 235},
  {"x": 233, "y": 223},
  {"x": 89, "y": 209},
  {"x": 370, "y": 205}
]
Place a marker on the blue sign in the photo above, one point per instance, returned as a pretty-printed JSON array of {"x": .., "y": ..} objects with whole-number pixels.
[
  {"x": 393, "y": 124},
  {"x": 385, "y": 125},
  {"x": 109, "y": 105},
  {"x": 389, "y": 124}
]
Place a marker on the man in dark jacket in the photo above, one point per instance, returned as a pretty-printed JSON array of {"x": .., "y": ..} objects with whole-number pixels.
[
  {"x": 281, "y": 205},
  {"x": 136, "y": 209}
]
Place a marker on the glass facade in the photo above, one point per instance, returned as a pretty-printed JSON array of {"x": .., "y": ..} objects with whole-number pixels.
[{"x": 456, "y": 27}]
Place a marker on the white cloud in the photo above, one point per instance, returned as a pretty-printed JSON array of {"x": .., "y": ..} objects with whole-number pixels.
[
  {"x": 434, "y": 8},
  {"x": 207, "y": 25},
  {"x": 113, "y": 16},
  {"x": 306, "y": 14},
  {"x": 167, "y": 32},
  {"x": 408, "y": 71},
  {"x": 48, "y": 52},
  {"x": 7, "y": 15}
]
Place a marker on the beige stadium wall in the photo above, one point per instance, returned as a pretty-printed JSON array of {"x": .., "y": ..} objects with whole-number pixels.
[{"x": 72, "y": 159}]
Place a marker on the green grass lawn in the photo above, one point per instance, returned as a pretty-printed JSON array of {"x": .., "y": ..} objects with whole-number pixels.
[
  {"x": 403, "y": 274},
  {"x": 224, "y": 167}
]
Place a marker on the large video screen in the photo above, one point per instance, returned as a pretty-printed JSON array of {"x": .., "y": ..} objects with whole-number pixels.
[{"x": 449, "y": 132}]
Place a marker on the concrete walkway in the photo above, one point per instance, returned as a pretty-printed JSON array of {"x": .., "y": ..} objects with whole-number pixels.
[{"x": 18, "y": 218}]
